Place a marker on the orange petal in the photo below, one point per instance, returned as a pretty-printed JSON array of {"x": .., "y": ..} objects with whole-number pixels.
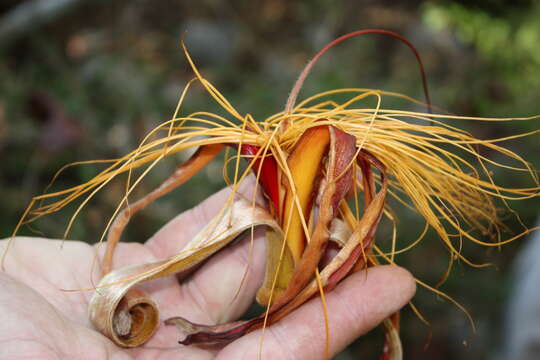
[{"x": 304, "y": 163}]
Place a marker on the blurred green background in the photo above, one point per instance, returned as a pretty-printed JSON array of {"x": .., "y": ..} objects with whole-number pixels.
[{"x": 82, "y": 80}]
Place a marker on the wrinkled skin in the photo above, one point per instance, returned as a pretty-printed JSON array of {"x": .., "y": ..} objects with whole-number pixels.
[{"x": 40, "y": 321}]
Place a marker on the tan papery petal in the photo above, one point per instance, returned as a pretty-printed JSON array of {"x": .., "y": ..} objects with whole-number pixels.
[{"x": 127, "y": 315}]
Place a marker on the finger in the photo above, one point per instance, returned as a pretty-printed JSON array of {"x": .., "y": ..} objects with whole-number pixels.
[{"x": 354, "y": 307}]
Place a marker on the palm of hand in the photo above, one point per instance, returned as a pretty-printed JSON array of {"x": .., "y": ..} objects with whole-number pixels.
[{"x": 42, "y": 321}]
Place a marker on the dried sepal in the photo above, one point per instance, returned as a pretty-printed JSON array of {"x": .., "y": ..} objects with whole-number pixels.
[{"x": 109, "y": 308}]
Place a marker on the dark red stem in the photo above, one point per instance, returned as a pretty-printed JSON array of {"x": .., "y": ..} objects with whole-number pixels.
[{"x": 298, "y": 85}]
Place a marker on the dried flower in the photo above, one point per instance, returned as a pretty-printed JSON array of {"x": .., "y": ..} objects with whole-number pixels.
[{"x": 314, "y": 162}]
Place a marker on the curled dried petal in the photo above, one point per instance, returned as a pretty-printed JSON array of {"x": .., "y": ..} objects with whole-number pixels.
[{"x": 129, "y": 317}]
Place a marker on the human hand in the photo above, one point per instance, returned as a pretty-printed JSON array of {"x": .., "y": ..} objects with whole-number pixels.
[{"x": 40, "y": 320}]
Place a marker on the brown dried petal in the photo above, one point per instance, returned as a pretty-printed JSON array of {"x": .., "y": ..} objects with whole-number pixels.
[{"x": 128, "y": 316}]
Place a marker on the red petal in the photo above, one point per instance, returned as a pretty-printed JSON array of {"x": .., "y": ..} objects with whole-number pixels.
[{"x": 268, "y": 173}]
